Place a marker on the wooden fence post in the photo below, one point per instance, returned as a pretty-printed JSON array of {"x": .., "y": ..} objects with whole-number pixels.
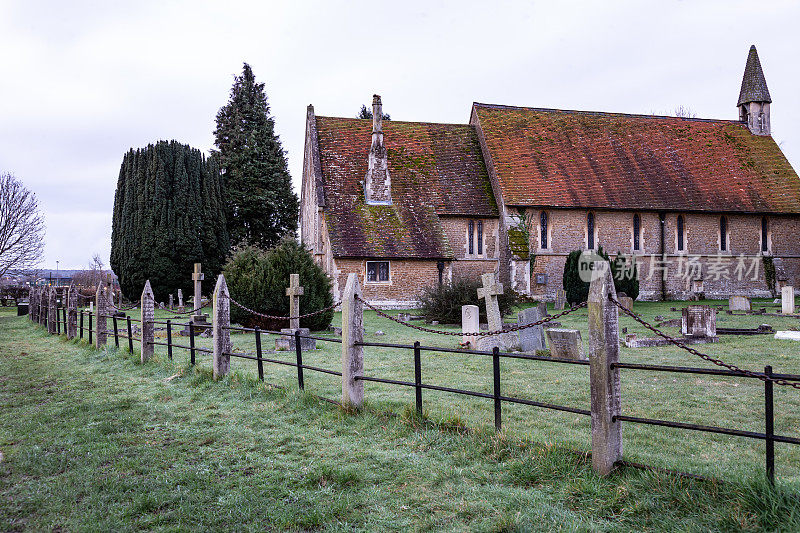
[
  {"x": 604, "y": 380},
  {"x": 100, "y": 315},
  {"x": 32, "y": 305},
  {"x": 72, "y": 312},
  {"x": 148, "y": 316},
  {"x": 352, "y": 352},
  {"x": 42, "y": 315},
  {"x": 52, "y": 311},
  {"x": 221, "y": 321}
]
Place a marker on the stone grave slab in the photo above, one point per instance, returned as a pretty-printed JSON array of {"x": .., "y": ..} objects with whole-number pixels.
[
  {"x": 739, "y": 303},
  {"x": 788, "y": 335},
  {"x": 286, "y": 340},
  {"x": 699, "y": 321},
  {"x": 531, "y": 339},
  {"x": 566, "y": 344},
  {"x": 561, "y": 300},
  {"x": 469, "y": 323},
  {"x": 787, "y": 300}
]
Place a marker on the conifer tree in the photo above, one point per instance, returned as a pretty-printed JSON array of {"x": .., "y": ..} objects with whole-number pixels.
[
  {"x": 260, "y": 204},
  {"x": 168, "y": 214}
]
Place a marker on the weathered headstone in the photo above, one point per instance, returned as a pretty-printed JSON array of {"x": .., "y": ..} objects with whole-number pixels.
[
  {"x": 489, "y": 292},
  {"x": 561, "y": 300},
  {"x": 699, "y": 321},
  {"x": 469, "y": 323},
  {"x": 287, "y": 339},
  {"x": 171, "y": 303},
  {"x": 542, "y": 306},
  {"x": 531, "y": 339},
  {"x": 625, "y": 301},
  {"x": 181, "y": 308},
  {"x": 787, "y": 300},
  {"x": 739, "y": 303},
  {"x": 565, "y": 344}
]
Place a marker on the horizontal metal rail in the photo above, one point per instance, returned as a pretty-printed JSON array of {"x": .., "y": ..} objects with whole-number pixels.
[
  {"x": 196, "y": 348},
  {"x": 270, "y": 332},
  {"x": 706, "y": 371},
  {"x": 507, "y": 355},
  {"x": 705, "y": 429},
  {"x": 285, "y": 363}
]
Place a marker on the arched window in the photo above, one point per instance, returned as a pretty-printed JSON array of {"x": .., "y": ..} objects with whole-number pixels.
[
  {"x": 480, "y": 237},
  {"x": 637, "y": 231},
  {"x": 681, "y": 231},
  {"x": 590, "y": 231},
  {"x": 543, "y": 230},
  {"x": 764, "y": 234},
  {"x": 471, "y": 236},
  {"x": 723, "y": 233}
]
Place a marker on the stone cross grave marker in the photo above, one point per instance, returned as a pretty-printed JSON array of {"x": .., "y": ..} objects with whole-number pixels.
[
  {"x": 469, "y": 323},
  {"x": 531, "y": 339},
  {"x": 787, "y": 300},
  {"x": 197, "y": 278},
  {"x": 294, "y": 292},
  {"x": 490, "y": 291},
  {"x": 566, "y": 344}
]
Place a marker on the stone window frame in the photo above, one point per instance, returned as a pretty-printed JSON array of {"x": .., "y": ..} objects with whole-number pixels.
[
  {"x": 591, "y": 222},
  {"x": 544, "y": 233},
  {"x": 378, "y": 282},
  {"x": 724, "y": 235},
  {"x": 476, "y": 238},
  {"x": 636, "y": 233},
  {"x": 765, "y": 236},
  {"x": 680, "y": 234}
]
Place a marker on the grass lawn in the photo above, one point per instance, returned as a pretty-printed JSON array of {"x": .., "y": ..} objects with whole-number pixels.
[{"x": 94, "y": 440}]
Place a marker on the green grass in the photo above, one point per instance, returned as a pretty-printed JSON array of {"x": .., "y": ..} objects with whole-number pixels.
[{"x": 94, "y": 440}]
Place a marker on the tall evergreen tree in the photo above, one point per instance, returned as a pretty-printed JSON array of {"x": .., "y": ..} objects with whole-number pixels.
[
  {"x": 260, "y": 204},
  {"x": 168, "y": 214}
]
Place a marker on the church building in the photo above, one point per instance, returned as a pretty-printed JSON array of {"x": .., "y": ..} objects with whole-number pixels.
[{"x": 708, "y": 207}]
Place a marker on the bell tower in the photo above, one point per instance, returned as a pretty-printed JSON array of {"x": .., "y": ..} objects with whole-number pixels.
[{"x": 754, "y": 99}]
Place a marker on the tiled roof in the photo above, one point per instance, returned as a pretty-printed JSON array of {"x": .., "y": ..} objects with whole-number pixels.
[
  {"x": 754, "y": 86},
  {"x": 435, "y": 169},
  {"x": 546, "y": 157}
]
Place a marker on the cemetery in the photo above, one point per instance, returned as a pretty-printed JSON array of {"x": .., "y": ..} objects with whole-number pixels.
[{"x": 374, "y": 356}]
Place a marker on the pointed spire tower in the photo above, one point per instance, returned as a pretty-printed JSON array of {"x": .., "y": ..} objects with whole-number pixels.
[{"x": 754, "y": 98}]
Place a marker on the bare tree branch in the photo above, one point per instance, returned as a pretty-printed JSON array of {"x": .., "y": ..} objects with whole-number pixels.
[{"x": 21, "y": 226}]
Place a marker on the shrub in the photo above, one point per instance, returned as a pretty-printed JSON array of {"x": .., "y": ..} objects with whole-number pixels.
[
  {"x": 443, "y": 302},
  {"x": 578, "y": 290},
  {"x": 258, "y": 280},
  {"x": 626, "y": 275}
]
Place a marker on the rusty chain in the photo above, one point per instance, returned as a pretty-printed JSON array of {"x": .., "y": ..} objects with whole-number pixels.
[
  {"x": 185, "y": 312},
  {"x": 476, "y": 334},
  {"x": 701, "y": 355},
  {"x": 275, "y": 317}
]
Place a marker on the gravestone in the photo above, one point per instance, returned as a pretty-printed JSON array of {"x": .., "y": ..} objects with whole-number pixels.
[
  {"x": 287, "y": 339},
  {"x": 788, "y": 335},
  {"x": 625, "y": 301},
  {"x": 543, "y": 308},
  {"x": 469, "y": 323},
  {"x": 739, "y": 303},
  {"x": 531, "y": 339},
  {"x": 699, "y": 321},
  {"x": 787, "y": 300},
  {"x": 181, "y": 308},
  {"x": 489, "y": 292},
  {"x": 566, "y": 344},
  {"x": 561, "y": 300},
  {"x": 171, "y": 303}
]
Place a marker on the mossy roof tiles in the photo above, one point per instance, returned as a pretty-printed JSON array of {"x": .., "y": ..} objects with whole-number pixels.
[
  {"x": 435, "y": 169},
  {"x": 546, "y": 157}
]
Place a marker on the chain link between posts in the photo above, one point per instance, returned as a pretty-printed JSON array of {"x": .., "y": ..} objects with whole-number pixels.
[
  {"x": 275, "y": 317},
  {"x": 471, "y": 334},
  {"x": 701, "y": 355}
]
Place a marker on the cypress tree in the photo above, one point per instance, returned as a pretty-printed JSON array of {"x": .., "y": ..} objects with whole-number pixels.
[
  {"x": 260, "y": 204},
  {"x": 168, "y": 215}
]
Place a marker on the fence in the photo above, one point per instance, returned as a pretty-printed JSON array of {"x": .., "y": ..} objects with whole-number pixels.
[{"x": 605, "y": 410}]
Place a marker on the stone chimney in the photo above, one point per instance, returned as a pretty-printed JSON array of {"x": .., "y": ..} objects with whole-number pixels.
[
  {"x": 377, "y": 184},
  {"x": 754, "y": 99}
]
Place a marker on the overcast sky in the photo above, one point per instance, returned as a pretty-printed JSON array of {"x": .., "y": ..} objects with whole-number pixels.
[{"x": 82, "y": 82}]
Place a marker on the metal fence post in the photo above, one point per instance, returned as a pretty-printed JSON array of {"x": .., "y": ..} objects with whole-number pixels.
[
  {"x": 116, "y": 330},
  {"x": 130, "y": 334},
  {"x": 298, "y": 348},
  {"x": 418, "y": 378},
  {"x": 148, "y": 316},
  {"x": 169, "y": 339},
  {"x": 603, "y": 377},
  {"x": 352, "y": 351},
  {"x": 258, "y": 354},
  {"x": 220, "y": 324},
  {"x": 191, "y": 342},
  {"x": 91, "y": 327},
  {"x": 770, "y": 425},
  {"x": 81, "y": 325},
  {"x": 498, "y": 405}
]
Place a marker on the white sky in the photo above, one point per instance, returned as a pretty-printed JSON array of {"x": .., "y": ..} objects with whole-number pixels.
[{"x": 81, "y": 82}]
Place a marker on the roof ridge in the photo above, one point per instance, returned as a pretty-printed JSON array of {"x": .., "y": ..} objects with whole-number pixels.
[
  {"x": 402, "y": 121},
  {"x": 603, "y": 113}
]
